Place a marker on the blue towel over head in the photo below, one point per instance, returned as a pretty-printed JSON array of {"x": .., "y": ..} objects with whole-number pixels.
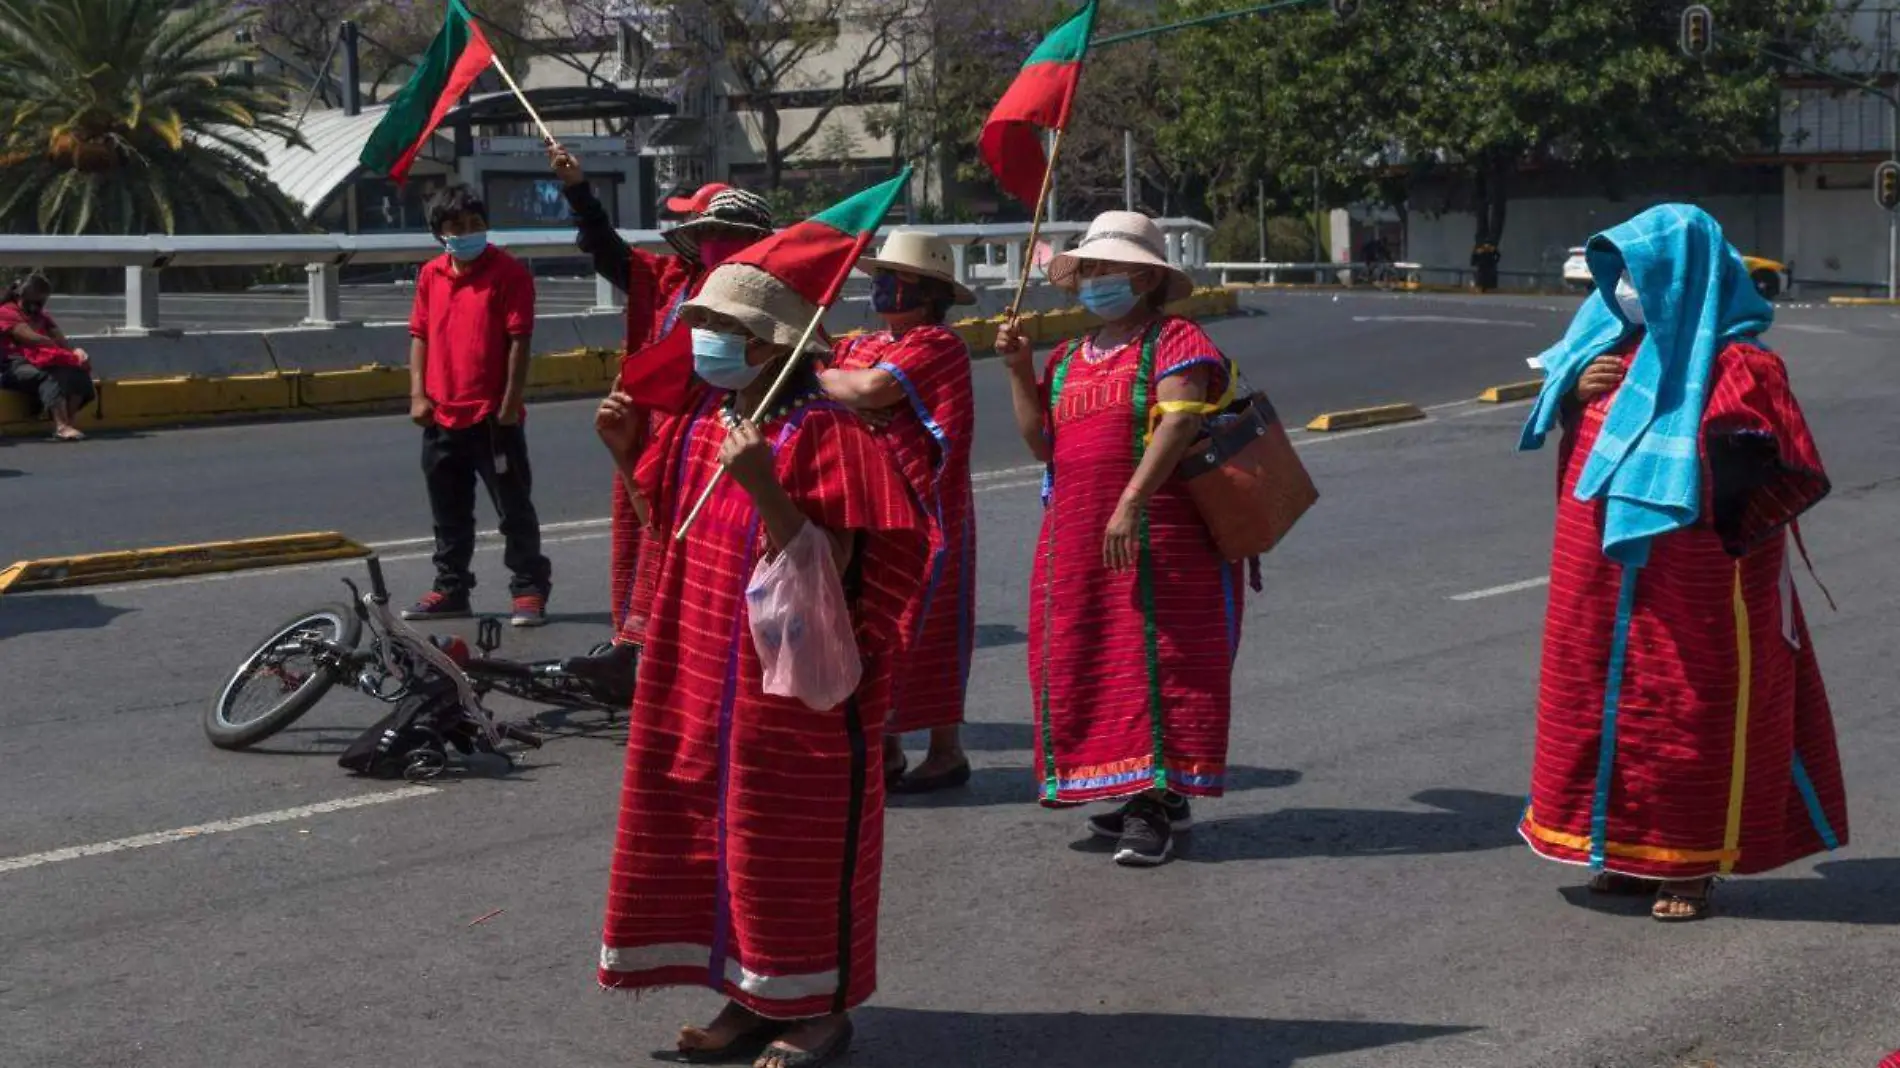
[{"x": 1697, "y": 298}]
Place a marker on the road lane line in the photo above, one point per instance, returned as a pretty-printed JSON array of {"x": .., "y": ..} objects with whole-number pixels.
[
  {"x": 1006, "y": 478},
  {"x": 1499, "y": 591},
  {"x": 185, "y": 834}
]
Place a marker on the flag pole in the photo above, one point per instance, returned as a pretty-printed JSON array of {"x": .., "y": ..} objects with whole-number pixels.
[
  {"x": 1035, "y": 224},
  {"x": 778, "y": 386},
  {"x": 521, "y": 96}
]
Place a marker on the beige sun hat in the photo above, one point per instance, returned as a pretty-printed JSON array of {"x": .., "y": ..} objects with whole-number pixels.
[
  {"x": 1121, "y": 237},
  {"x": 758, "y": 303},
  {"x": 921, "y": 253}
]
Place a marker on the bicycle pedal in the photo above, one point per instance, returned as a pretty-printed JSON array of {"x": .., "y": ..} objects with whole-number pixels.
[{"x": 488, "y": 634}]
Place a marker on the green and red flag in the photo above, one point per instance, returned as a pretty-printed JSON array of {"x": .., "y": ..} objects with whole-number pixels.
[
  {"x": 457, "y": 56},
  {"x": 815, "y": 257},
  {"x": 1039, "y": 99}
]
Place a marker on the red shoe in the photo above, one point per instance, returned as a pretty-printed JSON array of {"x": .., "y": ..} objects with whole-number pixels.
[
  {"x": 438, "y": 605},
  {"x": 531, "y": 610}
]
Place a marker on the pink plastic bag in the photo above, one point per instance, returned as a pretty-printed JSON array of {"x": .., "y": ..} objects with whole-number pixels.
[{"x": 801, "y": 625}]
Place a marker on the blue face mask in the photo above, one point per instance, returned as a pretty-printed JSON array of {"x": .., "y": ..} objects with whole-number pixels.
[
  {"x": 466, "y": 247},
  {"x": 1110, "y": 297},
  {"x": 891, "y": 295},
  {"x": 719, "y": 359}
]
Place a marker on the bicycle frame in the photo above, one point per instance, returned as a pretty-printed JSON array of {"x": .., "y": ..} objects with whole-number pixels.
[{"x": 392, "y": 639}]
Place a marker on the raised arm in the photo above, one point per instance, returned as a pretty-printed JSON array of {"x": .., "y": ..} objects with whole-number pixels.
[{"x": 1025, "y": 398}]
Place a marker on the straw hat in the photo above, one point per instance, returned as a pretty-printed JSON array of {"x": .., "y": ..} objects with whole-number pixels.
[
  {"x": 760, "y": 304},
  {"x": 1121, "y": 237},
  {"x": 730, "y": 210},
  {"x": 921, "y": 253}
]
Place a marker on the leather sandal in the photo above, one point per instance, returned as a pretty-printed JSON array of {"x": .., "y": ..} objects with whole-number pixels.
[
  {"x": 1666, "y": 899},
  {"x": 743, "y": 1049},
  {"x": 829, "y": 1053}
]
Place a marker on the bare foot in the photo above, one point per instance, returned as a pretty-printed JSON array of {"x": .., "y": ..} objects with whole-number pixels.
[
  {"x": 940, "y": 762},
  {"x": 1681, "y": 902},
  {"x": 69, "y": 433},
  {"x": 894, "y": 759},
  {"x": 826, "y": 1036},
  {"x": 734, "y": 1022}
]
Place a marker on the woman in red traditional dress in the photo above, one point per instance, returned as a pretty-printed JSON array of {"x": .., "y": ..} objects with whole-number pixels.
[
  {"x": 1134, "y": 617},
  {"x": 721, "y": 221},
  {"x": 912, "y": 380},
  {"x": 751, "y": 826},
  {"x": 1683, "y": 731}
]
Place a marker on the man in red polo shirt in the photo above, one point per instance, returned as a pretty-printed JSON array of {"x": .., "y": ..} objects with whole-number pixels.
[{"x": 468, "y": 369}]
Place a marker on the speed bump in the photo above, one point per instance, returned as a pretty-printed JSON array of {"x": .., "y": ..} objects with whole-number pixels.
[
  {"x": 1360, "y": 418},
  {"x": 1512, "y": 391},
  {"x": 135, "y": 565}
]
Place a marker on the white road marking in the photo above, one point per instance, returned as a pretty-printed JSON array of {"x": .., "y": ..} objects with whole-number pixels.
[
  {"x": 1499, "y": 591},
  {"x": 1456, "y": 320},
  {"x": 183, "y": 834},
  {"x": 1804, "y": 328},
  {"x": 1007, "y": 478}
]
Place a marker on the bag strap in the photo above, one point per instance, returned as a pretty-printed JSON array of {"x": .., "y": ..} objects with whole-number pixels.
[
  {"x": 1060, "y": 373},
  {"x": 1200, "y": 407},
  {"x": 1795, "y": 526}
]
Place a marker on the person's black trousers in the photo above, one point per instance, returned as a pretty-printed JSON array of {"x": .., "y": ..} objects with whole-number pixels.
[{"x": 452, "y": 461}]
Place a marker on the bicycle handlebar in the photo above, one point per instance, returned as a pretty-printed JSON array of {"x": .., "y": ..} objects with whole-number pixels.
[{"x": 377, "y": 589}]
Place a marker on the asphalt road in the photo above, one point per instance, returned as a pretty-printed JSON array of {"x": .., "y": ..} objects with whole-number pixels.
[{"x": 1358, "y": 899}]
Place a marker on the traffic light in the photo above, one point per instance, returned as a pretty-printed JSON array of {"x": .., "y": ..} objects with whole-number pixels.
[
  {"x": 1698, "y": 31},
  {"x": 1887, "y": 185},
  {"x": 1345, "y": 9}
]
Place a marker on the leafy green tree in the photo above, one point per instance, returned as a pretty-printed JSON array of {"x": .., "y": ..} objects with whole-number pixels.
[
  {"x": 135, "y": 116},
  {"x": 1486, "y": 87}
]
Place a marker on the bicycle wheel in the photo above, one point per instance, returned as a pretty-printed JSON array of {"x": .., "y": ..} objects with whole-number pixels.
[{"x": 281, "y": 679}]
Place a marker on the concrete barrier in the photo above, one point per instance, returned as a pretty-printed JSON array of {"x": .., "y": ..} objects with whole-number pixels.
[{"x": 331, "y": 375}]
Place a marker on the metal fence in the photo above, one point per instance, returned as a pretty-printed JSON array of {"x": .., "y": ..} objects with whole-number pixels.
[
  {"x": 984, "y": 253},
  {"x": 1404, "y": 274}
]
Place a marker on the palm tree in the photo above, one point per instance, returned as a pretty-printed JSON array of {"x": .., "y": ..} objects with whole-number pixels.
[{"x": 136, "y": 116}]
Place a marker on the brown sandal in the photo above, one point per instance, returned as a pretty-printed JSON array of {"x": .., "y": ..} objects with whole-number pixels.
[{"x": 1675, "y": 906}]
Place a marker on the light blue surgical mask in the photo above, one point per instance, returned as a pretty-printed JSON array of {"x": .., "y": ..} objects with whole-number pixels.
[
  {"x": 466, "y": 247},
  {"x": 719, "y": 359},
  {"x": 1111, "y": 296}
]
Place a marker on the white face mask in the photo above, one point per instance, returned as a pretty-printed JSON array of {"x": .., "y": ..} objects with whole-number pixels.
[{"x": 1626, "y": 300}]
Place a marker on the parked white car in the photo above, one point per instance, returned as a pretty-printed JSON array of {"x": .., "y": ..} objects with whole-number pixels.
[
  {"x": 1577, "y": 271},
  {"x": 1771, "y": 277}
]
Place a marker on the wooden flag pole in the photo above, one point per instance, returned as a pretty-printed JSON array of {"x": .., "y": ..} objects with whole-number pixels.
[
  {"x": 778, "y": 386},
  {"x": 521, "y": 96},
  {"x": 1035, "y": 225}
]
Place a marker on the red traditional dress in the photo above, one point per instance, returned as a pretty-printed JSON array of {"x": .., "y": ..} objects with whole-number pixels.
[
  {"x": 1132, "y": 672},
  {"x": 657, "y": 287},
  {"x": 751, "y": 827},
  {"x": 1682, "y": 728},
  {"x": 930, "y": 439}
]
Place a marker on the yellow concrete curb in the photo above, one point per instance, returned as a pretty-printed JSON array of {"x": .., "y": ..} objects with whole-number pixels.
[
  {"x": 182, "y": 400},
  {"x": 1863, "y": 302},
  {"x": 1512, "y": 391},
  {"x": 173, "y": 561},
  {"x": 1359, "y": 418}
]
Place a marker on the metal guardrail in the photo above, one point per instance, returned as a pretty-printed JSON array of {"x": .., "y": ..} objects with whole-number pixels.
[
  {"x": 1355, "y": 273},
  {"x": 978, "y": 249}
]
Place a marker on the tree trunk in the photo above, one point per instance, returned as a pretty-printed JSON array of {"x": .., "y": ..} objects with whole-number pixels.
[
  {"x": 1490, "y": 195},
  {"x": 769, "y": 130}
]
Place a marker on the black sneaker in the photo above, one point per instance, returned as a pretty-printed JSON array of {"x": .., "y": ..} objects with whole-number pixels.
[
  {"x": 1109, "y": 824},
  {"x": 1146, "y": 839},
  {"x": 438, "y": 605}
]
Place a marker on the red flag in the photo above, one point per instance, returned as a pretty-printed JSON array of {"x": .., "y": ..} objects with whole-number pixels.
[
  {"x": 815, "y": 257},
  {"x": 1039, "y": 99},
  {"x": 457, "y": 56}
]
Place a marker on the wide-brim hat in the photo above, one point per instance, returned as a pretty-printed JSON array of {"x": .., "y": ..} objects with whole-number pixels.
[
  {"x": 921, "y": 253},
  {"x": 1120, "y": 237},
  {"x": 729, "y": 211},
  {"x": 760, "y": 304}
]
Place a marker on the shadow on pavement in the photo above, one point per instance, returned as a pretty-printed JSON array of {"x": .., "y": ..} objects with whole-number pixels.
[
  {"x": 1125, "y": 1040},
  {"x": 1855, "y": 892},
  {"x": 999, "y": 635},
  {"x": 1470, "y": 821},
  {"x": 1016, "y": 785},
  {"x": 43, "y": 613},
  {"x": 997, "y": 737},
  {"x": 8, "y": 472}
]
